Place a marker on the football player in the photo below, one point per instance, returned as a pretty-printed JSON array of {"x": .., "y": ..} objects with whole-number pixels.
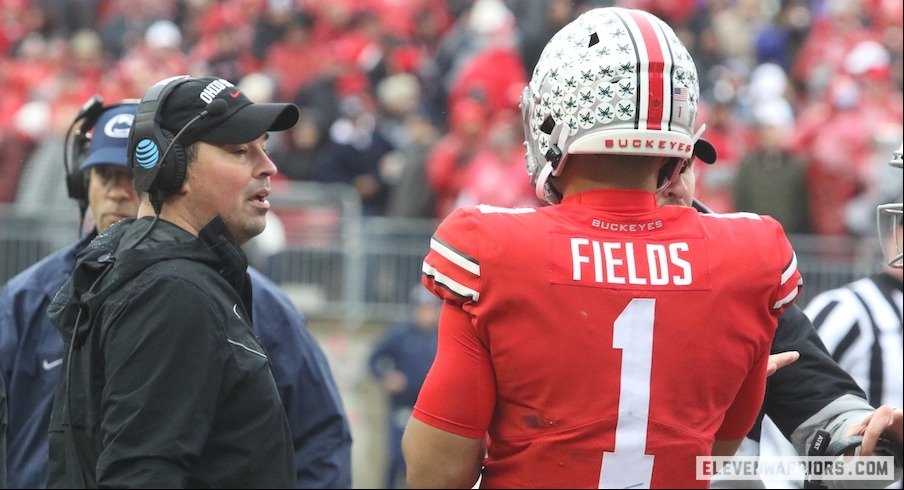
[{"x": 603, "y": 341}]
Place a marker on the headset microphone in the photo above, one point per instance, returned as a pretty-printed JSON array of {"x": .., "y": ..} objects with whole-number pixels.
[
  {"x": 172, "y": 174},
  {"x": 156, "y": 191}
]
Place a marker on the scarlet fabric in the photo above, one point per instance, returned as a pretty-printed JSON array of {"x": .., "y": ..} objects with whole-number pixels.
[
  {"x": 496, "y": 76},
  {"x": 447, "y": 162},
  {"x": 294, "y": 65},
  {"x": 837, "y": 146},
  {"x": 533, "y": 309},
  {"x": 497, "y": 178},
  {"x": 446, "y": 165},
  {"x": 399, "y": 16}
]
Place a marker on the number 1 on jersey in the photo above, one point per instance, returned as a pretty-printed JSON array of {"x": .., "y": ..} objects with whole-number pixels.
[{"x": 628, "y": 466}]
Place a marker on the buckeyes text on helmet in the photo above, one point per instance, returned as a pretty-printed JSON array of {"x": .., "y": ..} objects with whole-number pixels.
[{"x": 614, "y": 80}]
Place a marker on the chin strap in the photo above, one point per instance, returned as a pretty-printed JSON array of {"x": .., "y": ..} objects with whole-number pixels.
[{"x": 541, "y": 187}]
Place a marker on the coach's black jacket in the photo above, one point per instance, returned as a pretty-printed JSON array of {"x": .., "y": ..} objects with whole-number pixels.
[{"x": 164, "y": 384}]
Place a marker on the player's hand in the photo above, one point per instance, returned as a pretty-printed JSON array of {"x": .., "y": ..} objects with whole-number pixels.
[
  {"x": 885, "y": 420},
  {"x": 780, "y": 360}
]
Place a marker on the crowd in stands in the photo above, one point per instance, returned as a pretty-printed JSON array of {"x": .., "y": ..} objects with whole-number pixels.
[{"x": 415, "y": 102}]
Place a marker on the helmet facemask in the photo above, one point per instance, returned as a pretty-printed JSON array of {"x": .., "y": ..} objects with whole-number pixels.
[{"x": 888, "y": 221}]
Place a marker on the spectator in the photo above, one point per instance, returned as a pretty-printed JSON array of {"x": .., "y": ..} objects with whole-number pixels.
[
  {"x": 39, "y": 191},
  {"x": 447, "y": 161},
  {"x": 269, "y": 27},
  {"x": 124, "y": 23},
  {"x": 160, "y": 54},
  {"x": 297, "y": 58},
  {"x": 771, "y": 180},
  {"x": 494, "y": 74},
  {"x": 495, "y": 175},
  {"x": 835, "y": 139},
  {"x": 358, "y": 155},
  {"x": 400, "y": 361},
  {"x": 728, "y": 135},
  {"x": 780, "y": 41},
  {"x": 410, "y": 197},
  {"x": 539, "y": 25},
  {"x": 881, "y": 105},
  {"x": 17, "y": 144},
  {"x": 398, "y": 97},
  {"x": 307, "y": 152},
  {"x": 227, "y": 56}
]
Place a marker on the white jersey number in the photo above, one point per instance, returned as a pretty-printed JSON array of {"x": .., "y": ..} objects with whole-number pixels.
[{"x": 629, "y": 466}]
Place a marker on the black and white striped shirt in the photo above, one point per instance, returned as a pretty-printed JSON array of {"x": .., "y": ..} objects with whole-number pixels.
[{"x": 860, "y": 324}]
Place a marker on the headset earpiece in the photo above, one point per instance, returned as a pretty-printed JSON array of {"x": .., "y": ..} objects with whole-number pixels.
[
  {"x": 75, "y": 186},
  {"x": 153, "y": 169},
  {"x": 173, "y": 169},
  {"x": 76, "y": 146}
]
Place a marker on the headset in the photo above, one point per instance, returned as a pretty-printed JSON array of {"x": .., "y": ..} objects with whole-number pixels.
[
  {"x": 75, "y": 148},
  {"x": 155, "y": 172},
  {"x": 76, "y": 145},
  {"x": 152, "y": 171}
]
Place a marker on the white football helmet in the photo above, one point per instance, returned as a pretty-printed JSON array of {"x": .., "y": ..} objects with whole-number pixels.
[
  {"x": 888, "y": 220},
  {"x": 614, "y": 80}
]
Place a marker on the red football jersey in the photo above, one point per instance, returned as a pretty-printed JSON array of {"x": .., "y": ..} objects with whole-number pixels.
[{"x": 602, "y": 342}]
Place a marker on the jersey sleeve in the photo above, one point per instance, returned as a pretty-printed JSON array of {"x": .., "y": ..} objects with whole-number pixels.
[
  {"x": 790, "y": 280},
  {"x": 459, "y": 392},
  {"x": 451, "y": 269},
  {"x": 745, "y": 408}
]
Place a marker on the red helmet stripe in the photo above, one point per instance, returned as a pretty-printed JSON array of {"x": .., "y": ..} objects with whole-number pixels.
[{"x": 656, "y": 79}]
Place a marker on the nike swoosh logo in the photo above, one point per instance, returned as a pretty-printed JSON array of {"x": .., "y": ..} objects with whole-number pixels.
[
  {"x": 48, "y": 365},
  {"x": 235, "y": 309}
]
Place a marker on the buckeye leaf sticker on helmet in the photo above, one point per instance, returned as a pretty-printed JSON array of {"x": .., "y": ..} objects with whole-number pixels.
[{"x": 612, "y": 81}]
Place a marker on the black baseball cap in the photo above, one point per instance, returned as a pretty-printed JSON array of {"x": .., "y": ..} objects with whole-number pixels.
[{"x": 241, "y": 121}]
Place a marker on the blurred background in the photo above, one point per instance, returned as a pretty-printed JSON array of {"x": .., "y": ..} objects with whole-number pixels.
[{"x": 409, "y": 109}]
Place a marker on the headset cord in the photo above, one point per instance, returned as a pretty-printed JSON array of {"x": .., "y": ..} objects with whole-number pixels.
[
  {"x": 146, "y": 232},
  {"x": 69, "y": 354}
]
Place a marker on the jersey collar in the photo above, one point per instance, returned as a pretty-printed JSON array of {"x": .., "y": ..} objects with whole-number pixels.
[{"x": 615, "y": 200}]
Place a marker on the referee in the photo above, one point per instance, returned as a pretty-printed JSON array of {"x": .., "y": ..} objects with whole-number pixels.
[{"x": 860, "y": 322}]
